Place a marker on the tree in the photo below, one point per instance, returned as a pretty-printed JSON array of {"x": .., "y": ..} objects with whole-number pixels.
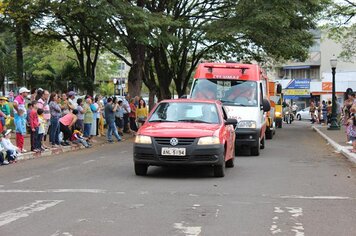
[
  {"x": 51, "y": 65},
  {"x": 20, "y": 15},
  {"x": 219, "y": 29},
  {"x": 73, "y": 22},
  {"x": 7, "y": 60},
  {"x": 340, "y": 17}
]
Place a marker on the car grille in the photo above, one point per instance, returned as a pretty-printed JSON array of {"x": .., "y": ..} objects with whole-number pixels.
[
  {"x": 146, "y": 156},
  {"x": 173, "y": 158},
  {"x": 181, "y": 141}
]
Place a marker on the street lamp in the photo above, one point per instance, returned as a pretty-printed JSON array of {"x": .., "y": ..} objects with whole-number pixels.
[
  {"x": 333, "y": 125},
  {"x": 115, "y": 81}
]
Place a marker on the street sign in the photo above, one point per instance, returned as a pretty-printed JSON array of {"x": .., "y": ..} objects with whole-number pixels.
[
  {"x": 327, "y": 86},
  {"x": 297, "y": 88}
]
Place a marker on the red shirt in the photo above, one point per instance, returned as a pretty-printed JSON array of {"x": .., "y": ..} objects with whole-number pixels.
[{"x": 34, "y": 123}]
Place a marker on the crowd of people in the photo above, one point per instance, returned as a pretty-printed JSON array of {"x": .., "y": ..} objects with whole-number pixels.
[
  {"x": 346, "y": 115},
  {"x": 59, "y": 119}
]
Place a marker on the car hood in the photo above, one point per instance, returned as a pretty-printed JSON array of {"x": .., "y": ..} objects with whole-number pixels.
[{"x": 178, "y": 129}]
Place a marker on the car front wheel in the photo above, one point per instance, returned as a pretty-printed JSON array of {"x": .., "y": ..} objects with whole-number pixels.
[
  {"x": 219, "y": 171},
  {"x": 299, "y": 117},
  {"x": 141, "y": 169}
]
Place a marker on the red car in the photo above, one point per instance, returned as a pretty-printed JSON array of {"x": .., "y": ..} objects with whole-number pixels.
[{"x": 186, "y": 132}]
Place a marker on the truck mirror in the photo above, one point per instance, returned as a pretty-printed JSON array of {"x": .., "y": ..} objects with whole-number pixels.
[{"x": 266, "y": 106}]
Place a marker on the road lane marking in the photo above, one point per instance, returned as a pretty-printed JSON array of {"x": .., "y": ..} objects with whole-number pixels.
[
  {"x": 187, "y": 230},
  {"x": 53, "y": 191},
  {"x": 294, "y": 215},
  {"x": 62, "y": 169},
  {"x": 24, "y": 211},
  {"x": 57, "y": 233},
  {"x": 87, "y": 162},
  {"x": 318, "y": 197},
  {"x": 25, "y": 179}
]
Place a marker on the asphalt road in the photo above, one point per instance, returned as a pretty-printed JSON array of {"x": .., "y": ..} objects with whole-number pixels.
[{"x": 298, "y": 186}]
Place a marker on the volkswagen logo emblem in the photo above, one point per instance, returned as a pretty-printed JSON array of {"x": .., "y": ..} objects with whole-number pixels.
[{"x": 174, "y": 142}]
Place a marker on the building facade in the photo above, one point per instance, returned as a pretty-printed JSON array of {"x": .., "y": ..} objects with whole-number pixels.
[{"x": 317, "y": 70}]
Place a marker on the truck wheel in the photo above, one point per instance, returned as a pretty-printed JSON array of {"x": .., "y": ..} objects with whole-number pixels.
[
  {"x": 269, "y": 134},
  {"x": 263, "y": 141},
  {"x": 255, "y": 151},
  {"x": 141, "y": 169}
]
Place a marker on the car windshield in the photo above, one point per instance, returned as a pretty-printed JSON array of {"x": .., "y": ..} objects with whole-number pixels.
[
  {"x": 185, "y": 112},
  {"x": 230, "y": 92}
]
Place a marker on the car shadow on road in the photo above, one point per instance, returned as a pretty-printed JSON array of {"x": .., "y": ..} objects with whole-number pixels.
[{"x": 181, "y": 172}]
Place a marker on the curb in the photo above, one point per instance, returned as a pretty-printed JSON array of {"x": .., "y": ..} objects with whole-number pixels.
[
  {"x": 339, "y": 148},
  {"x": 49, "y": 152}
]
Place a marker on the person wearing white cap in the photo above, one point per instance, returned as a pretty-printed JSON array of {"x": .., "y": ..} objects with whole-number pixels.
[
  {"x": 11, "y": 150},
  {"x": 19, "y": 104},
  {"x": 71, "y": 96}
]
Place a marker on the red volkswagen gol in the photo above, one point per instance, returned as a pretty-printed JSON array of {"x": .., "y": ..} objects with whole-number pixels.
[{"x": 186, "y": 132}]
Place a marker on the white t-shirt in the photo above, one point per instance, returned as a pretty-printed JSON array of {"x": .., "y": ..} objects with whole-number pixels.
[{"x": 72, "y": 103}]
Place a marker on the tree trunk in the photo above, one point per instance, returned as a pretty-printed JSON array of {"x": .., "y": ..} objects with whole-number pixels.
[
  {"x": 19, "y": 55},
  {"x": 136, "y": 73},
  {"x": 163, "y": 72}
]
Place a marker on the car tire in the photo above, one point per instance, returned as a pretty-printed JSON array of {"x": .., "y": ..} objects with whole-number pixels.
[
  {"x": 219, "y": 171},
  {"x": 299, "y": 117},
  {"x": 141, "y": 169}
]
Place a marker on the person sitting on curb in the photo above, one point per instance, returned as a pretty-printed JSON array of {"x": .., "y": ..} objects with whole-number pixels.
[
  {"x": 11, "y": 150},
  {"x": 2, "y": 159},
  {"x": 66, "y": 124},
  {"x": 77, "y": 138}
]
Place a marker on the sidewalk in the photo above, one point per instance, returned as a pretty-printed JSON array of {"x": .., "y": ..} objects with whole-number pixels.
[
  {"x": 337, "y": 139},
  {"x": 98, "y": 141}
]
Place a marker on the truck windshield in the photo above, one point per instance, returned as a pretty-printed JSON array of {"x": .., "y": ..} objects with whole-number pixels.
[{"x": 230, "y": 92}]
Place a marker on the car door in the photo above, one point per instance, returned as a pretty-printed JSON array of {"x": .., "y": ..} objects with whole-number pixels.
[{"x": 305, "y": 113}]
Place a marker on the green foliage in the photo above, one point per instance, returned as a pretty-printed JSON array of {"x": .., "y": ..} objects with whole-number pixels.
[
  {"x": 51, "y": 66},
  {"x": 106, "y": 89},
  {"x": 341, "y": 27}
]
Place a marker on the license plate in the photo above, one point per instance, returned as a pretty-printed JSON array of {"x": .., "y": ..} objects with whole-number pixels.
[{"x": 173, "y": 151}]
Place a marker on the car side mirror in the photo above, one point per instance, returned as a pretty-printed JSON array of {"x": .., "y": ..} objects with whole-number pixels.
[
  {"x": 266, "y": 106},
  {"x": 231, "y": 122}
]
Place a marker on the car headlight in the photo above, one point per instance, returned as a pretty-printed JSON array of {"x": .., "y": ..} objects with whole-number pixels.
[
  {"x": 142, "y": 139},
  {"x": 246, "y": 124},
  {"x": 277, "y": 113},
  {"x": 208, "y": 140}
]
